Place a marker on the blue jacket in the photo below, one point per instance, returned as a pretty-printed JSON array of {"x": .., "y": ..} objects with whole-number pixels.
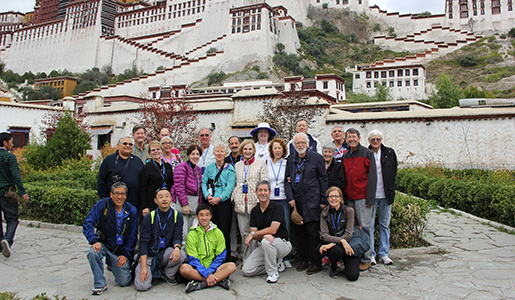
[
  {"x": 151, "y": 232},
  {"x": 107, "y": 225},
  {"x": 130, "y": 176},
  {"x": 225, "y": 183}
]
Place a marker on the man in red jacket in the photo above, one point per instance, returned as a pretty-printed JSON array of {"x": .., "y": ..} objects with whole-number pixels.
[{"x": 360, "y": 184}]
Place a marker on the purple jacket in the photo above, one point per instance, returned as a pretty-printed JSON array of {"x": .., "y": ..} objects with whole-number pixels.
[{"x": 184, "y": 183}]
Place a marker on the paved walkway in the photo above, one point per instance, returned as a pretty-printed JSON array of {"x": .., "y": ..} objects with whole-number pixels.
[{"x": 478, "y": 263}]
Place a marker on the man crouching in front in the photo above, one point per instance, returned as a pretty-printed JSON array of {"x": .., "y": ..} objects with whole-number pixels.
[
  {"x": 115, "y": 239},
  {"x": 205, "y": 246},
  {"x": 160, "y": 243}
]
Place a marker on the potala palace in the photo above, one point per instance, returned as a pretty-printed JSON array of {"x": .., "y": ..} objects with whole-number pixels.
[{"x": 170, "y": 40}]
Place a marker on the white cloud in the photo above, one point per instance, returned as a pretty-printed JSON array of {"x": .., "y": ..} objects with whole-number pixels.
[{"x": 410, "y": 6}]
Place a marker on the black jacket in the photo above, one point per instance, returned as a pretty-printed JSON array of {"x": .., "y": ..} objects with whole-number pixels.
[
  {"x": 389, "y": 170},
  {"x": 336, "y": 175},
  {"x": 151, "y": 178},
  {"x": 310, "y": 192}
]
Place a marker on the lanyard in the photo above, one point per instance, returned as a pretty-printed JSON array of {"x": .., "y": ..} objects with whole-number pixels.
[
  {"x": 336, "y": 225},
  {"x": 161, "y": 172},
  {"x": 278, "y": 172},
  {"x": 245, "y": 170},
  {"x": 142, "y": 152},
  {"x": 299, "y": 166},
  {"x": 204, "y": 156},
  {"x": 338, "y": 152},
  {"x": 232, "y": 161},
  {"x": 159, "y": 220}
]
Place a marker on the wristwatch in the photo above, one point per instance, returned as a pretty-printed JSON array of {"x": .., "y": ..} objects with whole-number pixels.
[
  {"x": 253, "y": 233},
  {"x": 178, "y": 246}
]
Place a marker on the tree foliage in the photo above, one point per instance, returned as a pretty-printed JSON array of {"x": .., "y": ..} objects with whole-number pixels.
[
  {"x": 282, "y": 114},
  {"x": 216, "y": 78},
  {"x": 175, "y": 115},
  {"x": 67, "y": 142},
  {"x": 448, "y": 94},
  {"x": 511, "y": 33}
]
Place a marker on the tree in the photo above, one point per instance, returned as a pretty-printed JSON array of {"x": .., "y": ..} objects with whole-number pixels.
[
  {"x": 511, "y": 33},
  {"x": 68, "y": 142},
  {"x": 174, "y": 114},
  {"x": 51, "y": 120},
  {"x": 282, "y": 114},
  {"x": 215, "y": 78},
  {"x": 448, "y": 94}
]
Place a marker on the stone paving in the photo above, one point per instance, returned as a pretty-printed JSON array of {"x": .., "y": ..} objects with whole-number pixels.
[{"x": 468, "y": 260}]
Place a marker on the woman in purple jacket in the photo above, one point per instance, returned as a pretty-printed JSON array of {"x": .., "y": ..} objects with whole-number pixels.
[{"x": 186, "y": 191}]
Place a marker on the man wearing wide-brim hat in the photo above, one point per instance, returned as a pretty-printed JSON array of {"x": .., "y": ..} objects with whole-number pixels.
[{"x": 262, "y": 135}]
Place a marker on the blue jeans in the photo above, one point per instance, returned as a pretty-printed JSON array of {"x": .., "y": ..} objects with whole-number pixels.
[
  {"x": 10, "y": 211},
  {"x": 385, "y": 213},
  {"x": 364, "y": 214},
  {"x": 122, "y": 275}
]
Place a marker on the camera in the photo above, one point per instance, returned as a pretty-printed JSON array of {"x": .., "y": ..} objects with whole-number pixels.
[{"x": 116, "y": 178}]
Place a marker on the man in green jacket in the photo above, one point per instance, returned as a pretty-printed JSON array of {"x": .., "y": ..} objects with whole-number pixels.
[
  {"x": 205, "y": 247},
  {"x": 9, "y": 176}
]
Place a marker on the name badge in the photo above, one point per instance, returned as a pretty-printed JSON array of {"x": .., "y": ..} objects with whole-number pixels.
[
  {"x": 119, "y": 239},
  {"x": 162, "y": 243},
  {"x": 210, "y": 191},
  {"x": 297, "y": 178},
  {"x": 277, "y": 190},
  {"x": 245, "y": 188},
  {"x": 202, "y": 169}
]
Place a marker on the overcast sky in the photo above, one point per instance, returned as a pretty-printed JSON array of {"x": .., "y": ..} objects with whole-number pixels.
[{"x": 405, "y": 6}]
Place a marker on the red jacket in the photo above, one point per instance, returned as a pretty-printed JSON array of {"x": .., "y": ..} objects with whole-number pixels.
[{"x": 360, "y": 174}]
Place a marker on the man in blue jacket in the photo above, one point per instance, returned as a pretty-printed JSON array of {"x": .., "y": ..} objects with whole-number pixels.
[
  {"x": 160, "y": 243},
  {"x": 117, "y": 224}
]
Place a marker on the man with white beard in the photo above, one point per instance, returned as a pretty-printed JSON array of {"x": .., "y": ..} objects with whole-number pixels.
[{"x": 305, "y": 188}]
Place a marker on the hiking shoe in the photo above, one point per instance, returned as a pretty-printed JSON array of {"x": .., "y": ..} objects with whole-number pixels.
[
  {"x": 313, "y": 269},
  {"x": 303, "y": 265},
  {"x": 333, "y": 274},
  {"x": 280, "y": 265},
  {"x": 272, "y": 278},
  {"x": 170, "y": 281},
  {"x": 325, "y": 261},
  {"x": 192, "y": 286},
  {"x": 373, "y": 261},
  {"x": 364, "y": 266},
  {"x": 287, "y": 264},
  {"x": 99, "y": 291},
  {"x": 386, "y": 260},
  {"x": 6, "y": 249},
  {"x": 226, "y": 284}
]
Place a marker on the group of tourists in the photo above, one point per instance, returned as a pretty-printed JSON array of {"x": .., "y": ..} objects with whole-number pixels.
[{"x": 162, "y": 216}]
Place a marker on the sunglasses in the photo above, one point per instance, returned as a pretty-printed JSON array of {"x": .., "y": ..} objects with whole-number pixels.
[
  {"x": 204, "y": 135},
  {"x": 128, "y": 144},
  {"x": 375, "y": 140}
]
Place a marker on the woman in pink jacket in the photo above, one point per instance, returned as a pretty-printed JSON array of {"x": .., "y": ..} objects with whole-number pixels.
[{"x": 186, "y": 191}]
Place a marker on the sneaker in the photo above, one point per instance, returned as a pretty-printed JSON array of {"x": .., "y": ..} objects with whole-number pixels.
[
  {"x": 313, "y": 269},
  {"x": 333, "y": 274},
  {"x": 339, "y": 264},
  {"x": 6, "y": 249},
  {"x": 373, "y": 261},
  {"x": 325, "y": 261},
  {"x": 99, "y": 291},
  {"x": 280, "y": 265},
  {"x": 364, "y": 266},
  {"x": 287, "y": 264},
  {"x": 226, "y": 283},
  {"x": 192, "y": 286},
  {"x": 303, "y": 265},
  {"x": 170, "y": 281},
  {"x": 272, "y": 278},
  {"x": 386, "y": 260}
]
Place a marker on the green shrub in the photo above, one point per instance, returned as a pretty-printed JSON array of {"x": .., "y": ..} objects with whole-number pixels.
[
  {"x": 468, "y": 61},
  {"x": 409, "y": 218},
  {"x": 503, "y": 202},
  {"x": 511, "y": 33},
  {"x": 57, "y": 204},
  {"x": 325, "y": 5}
]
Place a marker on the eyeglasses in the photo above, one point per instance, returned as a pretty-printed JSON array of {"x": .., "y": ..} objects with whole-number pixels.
[
  {"x": 119, "y": 194},
  {"x": 375, "y": 140},
  {"x": 300, "y": 143},
  {"x": 166, "y": 143},
  {"x": 128, "y": 144},
  {"x": 334, "y": 197},
  {"x": 204, "y": 135}
]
